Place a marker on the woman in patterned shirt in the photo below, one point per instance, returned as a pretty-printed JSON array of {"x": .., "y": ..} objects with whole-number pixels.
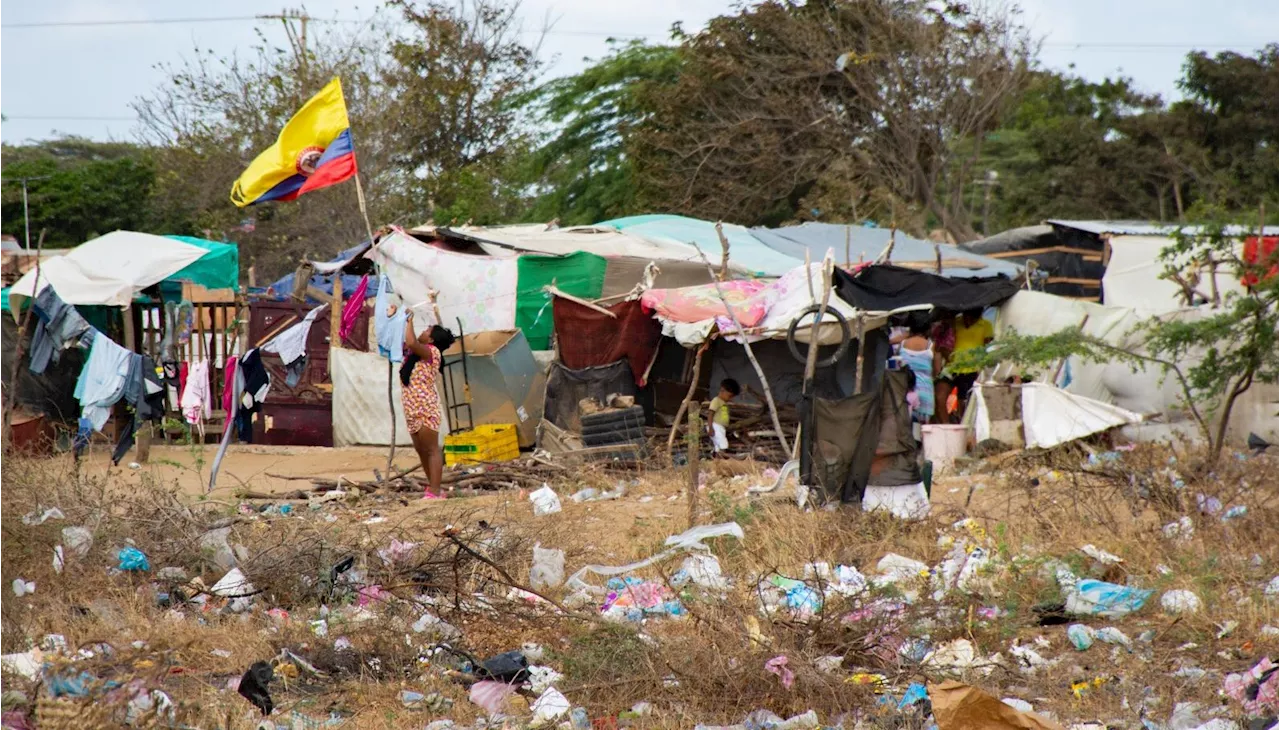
[{"x": 421, "y": 399}]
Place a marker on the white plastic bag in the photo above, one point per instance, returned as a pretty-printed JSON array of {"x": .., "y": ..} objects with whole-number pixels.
[
  {"x": 548, "y": 568},
  {"x": 78, "y": 540},
  {"x": 545, "y": 501},
  {"x": 1180, "y": 601},
  {"x": 550, "y": 706}
]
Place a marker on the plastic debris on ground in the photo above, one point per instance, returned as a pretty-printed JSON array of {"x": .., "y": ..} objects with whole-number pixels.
[
  {"x": 132, "y": 559},
  {"x": 1088, "y": 597},
  {"x": 633, "y": 599},
  {"x": 491, "y": 695},
  {"x": 960, "y": 655},
  {"x": 1100, "y": 555},
  {"x": 549, "y": 707},
  {"x": 1182, "y": 529},
  {"x": 778, "y": 666},
  {"x": 1256, "y": 689},
  {"x": 1180, "y": 602},
  {"x": 396, "y": 552},
  {"x": 39, "y": 518},
  {"x": 545, "y": 501},
  {"x": 548, "y": 568},
  {"x": 690, "y": 540},
  {"x": 23, "y": 587},
  {"x": 1080, "y": 636},
  {"x": 78, "y": 541},
  {"x": 958, "y": 706}
]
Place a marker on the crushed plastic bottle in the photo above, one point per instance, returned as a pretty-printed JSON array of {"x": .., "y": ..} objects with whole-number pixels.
[{"x": 1080, "y": 636}]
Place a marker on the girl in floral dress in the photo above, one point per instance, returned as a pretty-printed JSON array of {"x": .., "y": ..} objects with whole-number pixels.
[{"x": 421, "y": 402}]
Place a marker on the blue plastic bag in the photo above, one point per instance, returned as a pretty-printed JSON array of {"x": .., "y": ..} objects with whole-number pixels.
[
  {"x": 1098, "y": 598},
  {"x": 131, "y": 558}
]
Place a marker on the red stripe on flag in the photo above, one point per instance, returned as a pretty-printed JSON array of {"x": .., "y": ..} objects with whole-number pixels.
[{"x": 331, "y": 173}]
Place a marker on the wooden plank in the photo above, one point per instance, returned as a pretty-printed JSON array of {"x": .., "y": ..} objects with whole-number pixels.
[
  {"x": 1072, "y": 280},
  {"x": 1045, "y": 249}
]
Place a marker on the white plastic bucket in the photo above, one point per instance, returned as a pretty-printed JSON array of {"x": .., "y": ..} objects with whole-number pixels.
[{"x": 943, "y": 443}]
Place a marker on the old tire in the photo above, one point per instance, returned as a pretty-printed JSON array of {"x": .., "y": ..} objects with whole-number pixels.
[{"x": 841, "y": 349}]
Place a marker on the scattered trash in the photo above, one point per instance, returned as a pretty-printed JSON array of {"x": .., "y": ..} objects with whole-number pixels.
[
  {"x": 1017, "y": 704},
  {"x": 132, "y": 559},
  {"x": 510, "y": 667},
  {"x": 23, "y": 587},
  {"x": 894, "y": 568},
  {"x": 960, "y": 655},
  {"x": 548, "y": 568},
  {"x": 958, "y": 706},
  {"x": 632, "y": 599},
  {"x": 436, "y": 627},
  {"x": 778, "y": 666},
  {"x": 545, "y": 501},
  {"x": 491, "y": 695},
  {"x": 26, "y": 664},
  {"x": 1102, "y": 556},
  {"x": 1080, "y": 636},
  {"x": 214, "y": 545},
  {"x": 1112, "y": 635},
  {"x": 1255, "y": 689},
  {"x": 591, "y": 494},
  {"x": 434, "y": 701},
  {"x": 540, "y": 678},
  {"x": 1179, "y": 602},
  {"x": 1090, "y": 597},
  {"x": 78, "y": 540},
  {"x": 1182, "y": 529},
  {"x": 397, "y": 551},
  {"x": 53, "y": 513},
  {"x": 704, "y": 571},
  {"x": 253, "y": 686},
  {"x": 1235, "y": 512},
  {"x": 1273, "y": 587},
  {"x": 550, "y": 706}
]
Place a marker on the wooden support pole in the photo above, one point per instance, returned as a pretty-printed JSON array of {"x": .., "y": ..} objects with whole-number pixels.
[
  {"x": 861, "y": 328},
  {"x": 724, "y": 251},
  {"x": 553, "y": 291},
  {"x": 335, "y": 313},
  {"x": 688, "y": 396},
  {"x": 694, "y": 440},
  {"x": 751, "y": 355}
]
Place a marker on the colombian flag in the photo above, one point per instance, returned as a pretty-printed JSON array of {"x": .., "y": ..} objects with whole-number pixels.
[{"x": 313, "y": 151}]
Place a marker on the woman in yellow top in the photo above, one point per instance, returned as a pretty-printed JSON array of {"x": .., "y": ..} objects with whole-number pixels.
[{"x": 973, "y": 332}]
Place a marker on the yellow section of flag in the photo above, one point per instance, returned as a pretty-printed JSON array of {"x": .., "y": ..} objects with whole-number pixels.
[{"x": 312, "y": 129}]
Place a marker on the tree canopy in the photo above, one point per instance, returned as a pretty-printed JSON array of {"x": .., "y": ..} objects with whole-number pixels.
[{"x": 918, "y": 114}]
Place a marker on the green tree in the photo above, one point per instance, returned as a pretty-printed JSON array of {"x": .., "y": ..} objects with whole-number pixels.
[
  {"x": 781, "y": 102},
  {"x": 582, "y": 172},
  {"x": 78, "y": 189}
]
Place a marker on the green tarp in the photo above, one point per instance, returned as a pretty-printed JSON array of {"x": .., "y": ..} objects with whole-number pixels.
[
  {"x": 580, "y": 274},
  {"x": 217, "y": 269}
]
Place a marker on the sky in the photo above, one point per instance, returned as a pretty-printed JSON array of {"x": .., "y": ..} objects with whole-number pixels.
[{"x": 79, "y": 79}]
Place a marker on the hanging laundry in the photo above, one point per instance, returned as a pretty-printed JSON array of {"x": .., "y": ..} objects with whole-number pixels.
[
  {"x": 178, "y": 322},
  {"x": 195, "y": 401},
  {"x": 147, "y": 396},
  {"x": 257, "y": 383},
  {"x": 351, "y": 310},
  {"x": 292, "y": 343},
  {"x": 102, "y": 381},
  {"x": 389, "y": 327},
  {"x": 58, "y": 325},
  {"x": 229, "y": 391}
]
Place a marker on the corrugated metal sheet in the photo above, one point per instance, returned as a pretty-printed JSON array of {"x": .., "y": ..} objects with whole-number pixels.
[{"x": 1145, "y": 228}]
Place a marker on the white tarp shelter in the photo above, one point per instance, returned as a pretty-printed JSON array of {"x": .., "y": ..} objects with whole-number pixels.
[
  {"x": 1133, "y": 276},
  {"x": 1052, "y": 416},
  {"x": 601, "y": 241},
  {"x": 361, "y": 416},
  {"x": 109, "y": 270}
]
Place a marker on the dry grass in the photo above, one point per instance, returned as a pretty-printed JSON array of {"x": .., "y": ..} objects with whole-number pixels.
[{"x": 706, "y": 668}]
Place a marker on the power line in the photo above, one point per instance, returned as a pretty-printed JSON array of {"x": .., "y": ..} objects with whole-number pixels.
[
  {"x": 8, "y": 117},
  {"x": 156, "y": 21}
]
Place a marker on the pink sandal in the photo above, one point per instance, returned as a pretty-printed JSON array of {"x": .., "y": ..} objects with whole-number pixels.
[{"x": 428, "y": 494}]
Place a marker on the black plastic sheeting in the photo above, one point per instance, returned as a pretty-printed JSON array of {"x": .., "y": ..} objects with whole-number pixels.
[
  {"x": 1054, "y": 264},
  {"x": 565, "y": 388},
  {"x": 50, "y": 394},
  {"x": 853, "y": 432},
  {"x": 886, "y": 287}
]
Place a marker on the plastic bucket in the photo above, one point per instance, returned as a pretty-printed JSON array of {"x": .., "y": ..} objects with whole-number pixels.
[{"x": 943, "y": 443}]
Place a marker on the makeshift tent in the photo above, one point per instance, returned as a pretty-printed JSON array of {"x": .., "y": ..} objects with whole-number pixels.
[
  {"x": 109, "y": 270},
  {"x": 1071, "y": 259},
  {"x": 885, "y": 288},
  {"x": 1052, "y": 416},
  {"x": 580, "y": 274},
  {"x": 600, "y": 240},
  {"x": 506, "y": 384},
  {"x": 1135, "y": 276},
  {"x": 478, "y": 290},
  {"x": 865, "y": 439},
  {"x": 322, "y": 278},
  {"x": 866, "y": 243},
  {"x": 746, "y": 252},
  {"x": 218, "y": 268},
  {"x": 586, "y": 337}
]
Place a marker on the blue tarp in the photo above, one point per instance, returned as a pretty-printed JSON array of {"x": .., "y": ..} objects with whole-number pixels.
[
  {"x": 745, "y": 250},
  {"x": 817, "y": 238},
  {"x": 283, "y": 287}
]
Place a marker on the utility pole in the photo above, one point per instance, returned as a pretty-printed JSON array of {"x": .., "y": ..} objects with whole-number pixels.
[
  {"x": 298, "y": 40},
  {"x": 989, "y": 181},
  {"x": 26, "y": 214}
]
